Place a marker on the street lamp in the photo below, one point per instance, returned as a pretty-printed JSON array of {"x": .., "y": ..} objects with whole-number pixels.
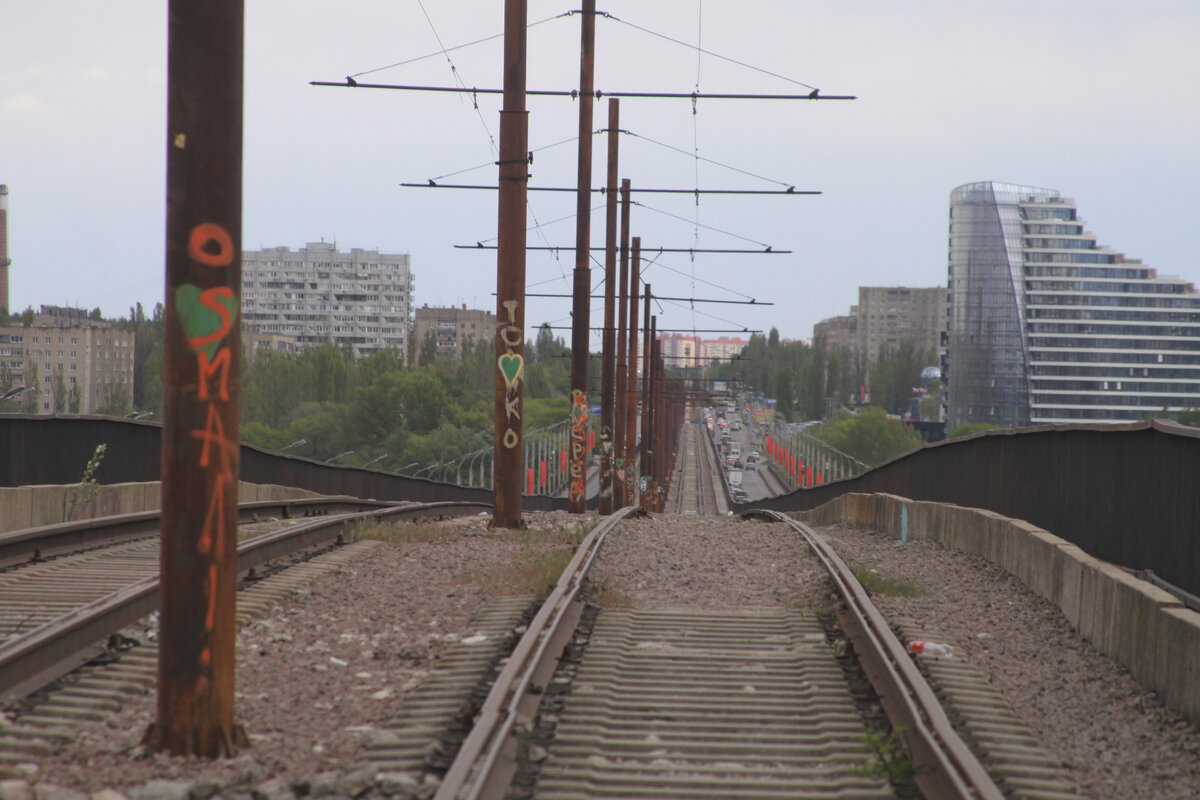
[
  {"x": 331, "y": 459},
  {"x": 296, "y": 443},
  {"x": 11, "y": 393},
  {"x": 373, "y": 460},
  {"x": 406, "y": 466},
  {"x": 431, "y": 467}
]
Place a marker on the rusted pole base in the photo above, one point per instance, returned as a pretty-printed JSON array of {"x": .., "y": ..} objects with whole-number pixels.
[{"x": 222, "y": 742}]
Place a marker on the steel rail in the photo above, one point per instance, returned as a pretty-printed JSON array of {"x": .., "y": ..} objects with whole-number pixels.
[
  {"x": 33, "y": 659},
  {"x": 478, "y": 766},
  {"x": 946, "y": 769},
  {"x": 31, "y": 544}
]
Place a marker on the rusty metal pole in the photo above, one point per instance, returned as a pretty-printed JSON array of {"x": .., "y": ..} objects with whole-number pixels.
[
  {"x": 655, "y": 426},
  {"x": 620, "y": 486},
  {"x": 608, "y": 355},
  {"x": 201, "y": 379},
  {"x": 631, "y": 417},
  {"x": 510, "y": 275},
  {"x": 648, "y": 327},
  {"x": 661, "y": 457},
  {"x": 581, "y": 305}
]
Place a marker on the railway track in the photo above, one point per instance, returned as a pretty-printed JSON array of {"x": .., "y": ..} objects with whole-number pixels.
[
  {"x": 57, "y": 614},
  {"x": 693, "y": 489},
  {"x": 685, "y": 701}
]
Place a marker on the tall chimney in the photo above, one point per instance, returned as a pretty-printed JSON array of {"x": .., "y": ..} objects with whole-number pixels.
[{"x": 4, "y": 248}]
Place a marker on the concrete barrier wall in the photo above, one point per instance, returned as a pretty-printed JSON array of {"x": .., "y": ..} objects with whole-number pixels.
[
  {"x": 1140, "y": 626},
  {"x": 33, "y": 506}
]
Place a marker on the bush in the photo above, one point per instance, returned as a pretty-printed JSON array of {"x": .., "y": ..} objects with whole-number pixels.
[{"x": 871, "y": 437}]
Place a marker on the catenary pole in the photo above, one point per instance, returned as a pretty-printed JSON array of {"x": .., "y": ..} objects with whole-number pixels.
[
  {"x": 202, "y": 344},
  {"x": 608, "y": 355},
  {"x": 631, "y": 418},
  {"x": 510, "y": 274},
  {"x": 620, "y": 486},
  {"x": 577, "y": 496}
]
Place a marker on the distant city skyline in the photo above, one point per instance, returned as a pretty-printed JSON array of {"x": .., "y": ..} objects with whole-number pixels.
[{"x": 1092, "y": 99}]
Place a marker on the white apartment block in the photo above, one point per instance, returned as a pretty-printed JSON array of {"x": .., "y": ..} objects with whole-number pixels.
[{"x": 317, "y": 294}]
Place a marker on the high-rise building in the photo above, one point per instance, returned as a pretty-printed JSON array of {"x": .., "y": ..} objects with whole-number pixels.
[
  {"x": 4, "y": 262},
  {"x": 885, "y": 318},
  {"x": 78, "y": 364},
  {"x": 451, "y": 327},
  {"x": 1045, "y": 325},
  {"x": 316, "y": 294},
  {"x": 680, "y": 349},
  {"x": 838, "y": 331},
  {"x": 723, "y": 348},
  {"x": 889, "y": 315}
]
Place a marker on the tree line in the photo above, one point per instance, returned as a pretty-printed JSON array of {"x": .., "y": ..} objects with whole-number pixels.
[{"x": 803, "y": 379}]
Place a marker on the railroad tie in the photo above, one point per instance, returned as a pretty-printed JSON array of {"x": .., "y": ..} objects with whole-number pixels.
[{"x": 1004, "y": 744}]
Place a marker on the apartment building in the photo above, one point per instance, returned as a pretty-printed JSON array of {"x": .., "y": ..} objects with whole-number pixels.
[
  {"x": 451, "y": 327},
  {"x": 318, "y": 294},
  {"x": 71, "y": 362}
]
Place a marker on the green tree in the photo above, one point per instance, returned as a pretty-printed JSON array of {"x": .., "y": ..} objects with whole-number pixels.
[
  {"x": 329, "y": 368},
  {"x": 58, "y": 389},
  {"x": 871, "y": 437},
  {"x": 785, "y": 403},
  {"x": 413, "y": 401},
  {"x": 30, "y": 404},
  {"x": 74, "y": 399},
  {"x": 428, "y": 354},
  {"x": 970, "y": 429},
  {"x": 895, "y": 374},
  {"x": 114, "y": 399}
]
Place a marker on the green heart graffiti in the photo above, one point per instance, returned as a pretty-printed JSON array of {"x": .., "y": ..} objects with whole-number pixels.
[
  {"x": 512, "y": 366},
  {"x": 207, "y": 316}
]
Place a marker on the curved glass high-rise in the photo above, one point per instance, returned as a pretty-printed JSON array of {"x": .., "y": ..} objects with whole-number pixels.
[{"x": 1045, "y": 326}]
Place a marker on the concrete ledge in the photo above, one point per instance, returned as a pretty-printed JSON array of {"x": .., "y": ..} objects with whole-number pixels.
[
  {"x": 48, "y": 504},
  {"x": 1177, "y": 661},
  {"x": 34, "y": 506},
  {"x": 16, "y": 508},
  {"x": 1138, "y": 625}
]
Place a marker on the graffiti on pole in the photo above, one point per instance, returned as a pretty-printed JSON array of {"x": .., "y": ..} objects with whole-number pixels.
[
  {"x": 579, "y": 423},
  {"x": 606, "y": 451},
  {"x": 207, "y": 317},
  {"x": 512, "y": 369}
]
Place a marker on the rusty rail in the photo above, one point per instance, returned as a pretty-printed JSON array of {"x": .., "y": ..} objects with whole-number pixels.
[
  {"x": 30, "y": 544},
  {"x": 52, "y": 650},
  {"x": 480, "y": 764},
  {"x": 945, "y": 766}
]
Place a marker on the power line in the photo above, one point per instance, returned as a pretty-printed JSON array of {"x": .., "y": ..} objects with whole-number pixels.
[
  {"x": 751, "y": 302},
  {"x": 690, "y": 250},
  {"x": 432, "y": 184},
  {"x": 599, "y": 94},
  {"x": 445, "y": 50}
]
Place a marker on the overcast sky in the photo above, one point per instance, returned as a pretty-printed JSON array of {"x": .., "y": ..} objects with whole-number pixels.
[{"x": 1098, "y": 99}]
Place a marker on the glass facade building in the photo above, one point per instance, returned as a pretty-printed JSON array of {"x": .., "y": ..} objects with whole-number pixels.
[{"x": 1044, "y": 325}]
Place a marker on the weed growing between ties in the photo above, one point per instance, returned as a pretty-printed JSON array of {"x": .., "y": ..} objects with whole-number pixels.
[
  {"x": 601, "y": 593},
  {"x": 886, "y": 757},
  {"x": 875, "y": 583},
  {"x": 542, "y": 556},
  {"x": 531, "y": 572}
]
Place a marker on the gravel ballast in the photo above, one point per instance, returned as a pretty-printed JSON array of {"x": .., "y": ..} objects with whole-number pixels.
[
  {"x": 1115, "y": 737},
  {"x": 319, "y": 675}
]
